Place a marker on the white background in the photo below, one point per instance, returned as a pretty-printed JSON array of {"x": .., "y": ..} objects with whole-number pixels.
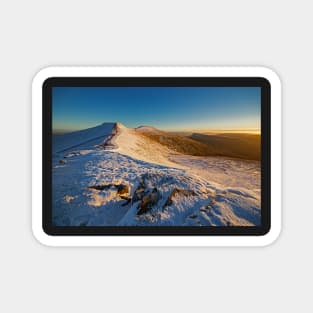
[{"x": 35, "y": 34}]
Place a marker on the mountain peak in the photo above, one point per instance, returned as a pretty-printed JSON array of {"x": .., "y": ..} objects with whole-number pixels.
[
  {"x": 119, "y": 125},
  {"x": 146, "y": 128}
]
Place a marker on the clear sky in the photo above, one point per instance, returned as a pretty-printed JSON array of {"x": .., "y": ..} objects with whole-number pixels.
[{"x": 167, "y": 108}]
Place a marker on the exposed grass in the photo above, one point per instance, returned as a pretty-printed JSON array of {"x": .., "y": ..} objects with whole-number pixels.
[
  {"x": 244, "y": 146},
  {"x": 235, "y": 145},
  {"x": 180, "y": 144}
]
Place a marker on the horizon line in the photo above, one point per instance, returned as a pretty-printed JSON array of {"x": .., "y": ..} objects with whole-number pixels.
[{"x": 238, "y": 130}]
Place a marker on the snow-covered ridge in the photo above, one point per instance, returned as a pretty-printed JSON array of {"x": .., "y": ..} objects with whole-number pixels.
[
  {"x": 85, "y": 138},
  {"x": 114, "y": 175},
  {"x": 128, "y": 141},
  {"x": 115, "y": 137}
]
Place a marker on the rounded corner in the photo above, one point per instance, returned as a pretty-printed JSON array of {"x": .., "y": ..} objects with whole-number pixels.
[
  {"x": 41, "y": 236},
  {"x": 42, "y": 79},
  {"x": 271, "y": 236},
  {"x": 42, "y": 76},
  {"x": 269, "y": 76},
  {"x": 46, "y": 83}
]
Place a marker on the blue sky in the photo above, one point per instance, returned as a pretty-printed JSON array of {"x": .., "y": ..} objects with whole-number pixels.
[{"x": 168, "y": 108}]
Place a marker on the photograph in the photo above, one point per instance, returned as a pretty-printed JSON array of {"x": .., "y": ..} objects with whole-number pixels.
[{"x": 156, "y": 156}]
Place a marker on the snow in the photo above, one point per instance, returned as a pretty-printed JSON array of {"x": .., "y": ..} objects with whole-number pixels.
[
  {"x": 130, "y": 142},
  {"x": 83, "y": 138},
  {"x": 233, "y": 173},
  {"x": 205, "y": 190}
]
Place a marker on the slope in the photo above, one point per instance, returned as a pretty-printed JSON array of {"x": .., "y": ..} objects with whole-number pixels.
[
  {"x": 114, "y": 175},
  {"x": 85, "y": 138},
  {"x": 244, "y": 146},
  {"x": 175, "y": 142}
]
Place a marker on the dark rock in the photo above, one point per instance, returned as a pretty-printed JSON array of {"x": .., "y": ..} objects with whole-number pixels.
[
  {"x": 122, "y": 190},
  {"x": 100, "y": 187},
  {"x": 140, "y": 190},
  {"x": 138, "y": 194},
  {"x": 149, "y": 201},
  {"x": 177, "y": 191}
]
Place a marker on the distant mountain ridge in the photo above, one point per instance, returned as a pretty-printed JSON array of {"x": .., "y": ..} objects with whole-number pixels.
[
  {"x": 236, "y": 145},
  {"x": 155, "y": 145}
]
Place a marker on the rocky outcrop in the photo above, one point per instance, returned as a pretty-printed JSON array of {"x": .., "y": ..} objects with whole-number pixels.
[
  {"x": 178, "y": 192},
  {"x": 123, "y": 190},
  {"x": 149, "y": 201}
]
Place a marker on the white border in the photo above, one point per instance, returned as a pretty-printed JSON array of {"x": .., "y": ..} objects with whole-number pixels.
[{"x": 45, "y": 239}]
